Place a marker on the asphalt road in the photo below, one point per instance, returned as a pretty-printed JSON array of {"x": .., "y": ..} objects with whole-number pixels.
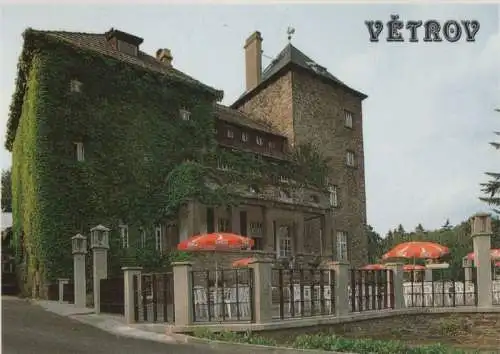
[{"x": 28, "y": 329}]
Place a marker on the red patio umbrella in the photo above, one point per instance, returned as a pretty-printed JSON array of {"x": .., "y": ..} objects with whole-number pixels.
[
  {"x": 243, "y": 262},
  {"x": 373, "y": 267},
  {"x": 494, "y": 254},
  {"x": 417, "y": 249},
  {"x": 412, "y": 267},
  {"x": 218, "y": 241}
]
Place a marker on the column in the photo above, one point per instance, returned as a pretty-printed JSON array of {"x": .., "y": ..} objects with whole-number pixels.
[
  {"x": 62, "y": 282},
  {"x": 100, "y": 271},
  {"x": 183, "y": 294},
  {"x": 235, "y": 220},
  {"x": 129, "y": 291},
  {"x": 298, "y": 233},
  {"x": 397, "y": 287},
  {"x": 79, "y": 280},
  {"x": 481, "y": 238},
  {"x": 341, "y": 270},
  {"x": 262, "y": 298},
  {"x": 268, "y": 230},
  {"x": 79, "y": 250}
]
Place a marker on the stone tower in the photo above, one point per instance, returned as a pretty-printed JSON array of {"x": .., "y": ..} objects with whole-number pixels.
[{"x": 308, "y": 104}]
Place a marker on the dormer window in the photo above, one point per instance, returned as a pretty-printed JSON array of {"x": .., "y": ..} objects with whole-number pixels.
[
  {"x": 229, "y": 133},
  {"x": 185, "y": 114},
  {"x": 75, "y": 86},
  {"x": 123, "y": 42},
  {"x": 244, "y": 137},
  {"x": 79, "y": 151},
  {"x": 259, "y": 140},
  {"x": 127, "y": 48}
]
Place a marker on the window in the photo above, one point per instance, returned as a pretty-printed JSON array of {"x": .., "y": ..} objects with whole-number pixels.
[
  {"x": 229, "y": 133},
  {"x": 158, "y": 239},
  {"x": 342, "y": 246},
  {"x": 185, "y": 114},
  {"x": 334, "y": 199},
  {"x": 253, "y": 188},
  {"x": 127, "y": 48},
  {"x": 244, "y": 137},
  {"x": 259, "y": 140},
  {"x": 256, "y": 232},
  {"x": 143, "y": 237},
  {"x": 75, "y": 86},
  {"x": 350, "y": 159},
  {"x": 283, "y": 194},
  {"x": 222, "y": 225},
  {"x": 124, "y": 235},
  {"x": 284, "y": 242},
  {"x": 283, "y": 179},
  {"x": 271, "y": 145},
  {"x": 222, "y": 165},
  {"x": 348, "y": 119},
  {"x": 79, "y": 151}
]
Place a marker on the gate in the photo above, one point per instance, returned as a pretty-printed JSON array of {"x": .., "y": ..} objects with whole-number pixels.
[
  {"x": 9, "y": 277},
  {"x": 113, "y": 295},
  {"x": 154, "y": 297}
]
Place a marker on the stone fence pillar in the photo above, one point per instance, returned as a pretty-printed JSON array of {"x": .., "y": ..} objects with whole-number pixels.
[
  {"x": 183, "y": 293},
  {"x": 61, "y": 282},
  {"x": 341, "y": 280},
  {"x": 262, "y": 294},
  {"x": 397, "y": 287},
  {"x": 129, "y": 291},
  {"x": 481, "y": 237}
]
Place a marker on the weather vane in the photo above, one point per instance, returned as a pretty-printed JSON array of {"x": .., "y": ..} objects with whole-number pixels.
[{"x": 290, "y": 31}]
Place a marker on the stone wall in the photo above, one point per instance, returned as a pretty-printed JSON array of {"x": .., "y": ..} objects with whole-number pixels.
[{"x": 464, "y": 330}]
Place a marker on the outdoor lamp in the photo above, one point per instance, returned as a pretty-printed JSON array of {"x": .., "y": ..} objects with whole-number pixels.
[
  {"x": 481, "y": 224},
  {"x": 99, "y": 237},
  {"x": 79, "y": 244}
]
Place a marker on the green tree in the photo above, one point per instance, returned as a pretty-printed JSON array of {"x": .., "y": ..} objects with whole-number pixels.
[
  {"x": 375, "y": 245},
  {"x": 491, "y": 189},
  {"x": 6, "y": 191}
]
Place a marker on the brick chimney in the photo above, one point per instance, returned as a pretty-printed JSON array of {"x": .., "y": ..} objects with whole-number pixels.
[
  {"x": 164, "y": 56},
  {"x": 253, "y": 60}
]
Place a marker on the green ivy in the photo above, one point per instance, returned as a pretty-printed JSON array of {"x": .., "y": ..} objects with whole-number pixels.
[{"x": 141, "y": 161}]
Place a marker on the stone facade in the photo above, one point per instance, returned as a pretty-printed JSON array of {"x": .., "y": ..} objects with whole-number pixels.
[{"x": 306, "y": 109}]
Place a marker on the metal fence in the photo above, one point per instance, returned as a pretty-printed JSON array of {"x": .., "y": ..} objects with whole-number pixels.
[
  {"x": 445, "y": 289},
  {"x": 371, "y": 290},
  {"x": 154, "y": 297},
  {"x": 112, "y": 295},
  {"x": 302, "y": 292},
  {"x": 495, "y": 284},
  {"x": 222, "y": 295}
]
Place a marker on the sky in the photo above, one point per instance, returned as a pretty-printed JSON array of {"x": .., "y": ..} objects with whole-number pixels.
[{"x": 430, "y": 111}]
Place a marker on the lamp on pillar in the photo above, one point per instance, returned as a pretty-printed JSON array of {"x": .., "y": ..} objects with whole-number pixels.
[
  {"x": 79, "y": 244},
  {"x": 99, "y": 237},
  {"x": 79, "y": 250},
  {"x": 481, "y": 237},
  {"x": 99, "y": 243}
]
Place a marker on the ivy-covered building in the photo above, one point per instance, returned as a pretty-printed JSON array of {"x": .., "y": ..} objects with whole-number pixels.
[{"x": 103, "y": 133}]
